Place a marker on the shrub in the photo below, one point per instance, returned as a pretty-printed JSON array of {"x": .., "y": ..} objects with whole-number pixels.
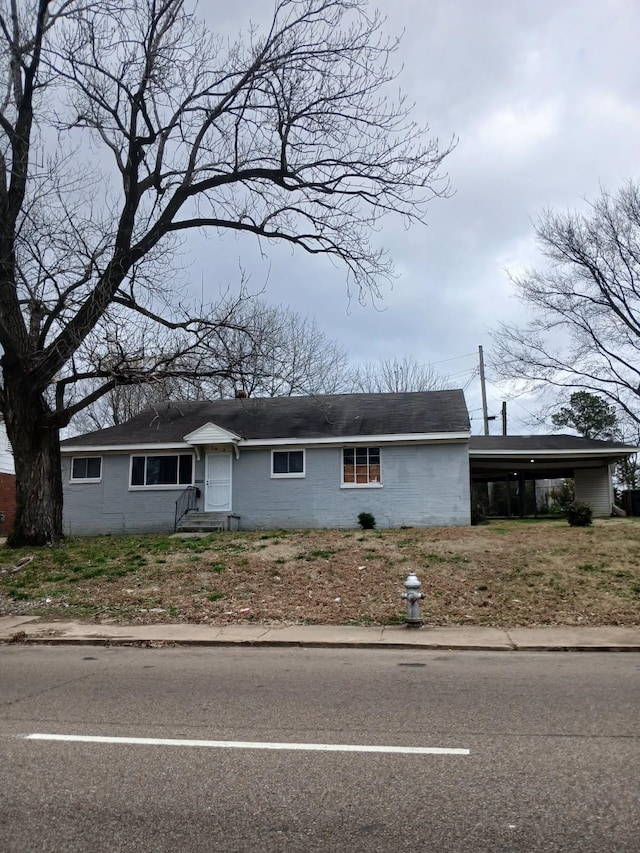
[
  {"x": 578, "y": 514},
  {"x": 366, "y": 521}
]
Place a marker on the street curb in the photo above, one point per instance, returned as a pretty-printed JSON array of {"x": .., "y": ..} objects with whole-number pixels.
[
  {"x": 286, "y": 644},
  {"x": 567, "y": 648},
  {"x": 109, "y": 642}
]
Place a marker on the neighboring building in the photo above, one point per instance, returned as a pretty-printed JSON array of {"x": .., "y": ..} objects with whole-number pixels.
[
  {"x": 7, "y": 483},
  {"x": 305, "y": 462},
  {"x": 290, "y": 462}
]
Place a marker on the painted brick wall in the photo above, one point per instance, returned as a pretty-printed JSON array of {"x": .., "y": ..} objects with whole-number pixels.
[
  {"x": 422, "y": 485},
  {"x": 109, "y": 507}
]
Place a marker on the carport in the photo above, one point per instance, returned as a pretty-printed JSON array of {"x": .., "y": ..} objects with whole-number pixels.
[{"x": 505, "y": 470}]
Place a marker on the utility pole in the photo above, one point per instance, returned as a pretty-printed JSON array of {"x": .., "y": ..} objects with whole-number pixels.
[
  {"x": 504, "y": 417},
  {"x": 483, "y": 388}
]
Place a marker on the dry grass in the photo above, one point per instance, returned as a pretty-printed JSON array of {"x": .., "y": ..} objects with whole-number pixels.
[{"x": 502, "y": 574}]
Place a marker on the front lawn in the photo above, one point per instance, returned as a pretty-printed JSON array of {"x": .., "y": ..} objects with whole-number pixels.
[{"x": 506, "y": 573}]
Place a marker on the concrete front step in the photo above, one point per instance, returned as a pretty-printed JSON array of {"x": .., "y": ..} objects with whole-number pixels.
[{"x": 197, "y": 522}]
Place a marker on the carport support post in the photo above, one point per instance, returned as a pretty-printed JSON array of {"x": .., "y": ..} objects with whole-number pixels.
[{"x": 521, "y": 495}]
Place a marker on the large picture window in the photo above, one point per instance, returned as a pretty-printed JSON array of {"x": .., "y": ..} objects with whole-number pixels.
[
  {"x": 287, "y": 463},
  {"x": 86, "y": 468},
  {"x": 361, "y": 466},
  {"x": 167, "y": 470}
]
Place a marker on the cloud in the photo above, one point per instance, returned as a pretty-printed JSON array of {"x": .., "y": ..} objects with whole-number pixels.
[{"x": 516, "y": 132}]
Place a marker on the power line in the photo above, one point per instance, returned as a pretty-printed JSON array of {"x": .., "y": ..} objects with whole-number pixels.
[
  {"x": 453, "y": 358},
  {"x": 472, "y": 370},
  {"x": 468, "y": 382},
  {"x": 514, "y": 399}
]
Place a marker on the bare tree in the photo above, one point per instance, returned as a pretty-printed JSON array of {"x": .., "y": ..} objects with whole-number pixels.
[
  {"x": 396, "y": 375},
  {"x": 585, "y": 303},
  {"x": 286, "y": 354},
  {"x": 628, "y": 471},
  {"x": 131, "y": 361},
  {"x": 266, "y": 351},
  {"x": 123, "y": 123}
]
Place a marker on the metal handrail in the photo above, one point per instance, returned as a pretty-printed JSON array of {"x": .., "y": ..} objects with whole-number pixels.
[{"x": 187, "y": 501}]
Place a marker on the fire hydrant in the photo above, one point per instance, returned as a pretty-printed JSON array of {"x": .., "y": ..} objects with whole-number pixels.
[{"x": 413, "y": 597}]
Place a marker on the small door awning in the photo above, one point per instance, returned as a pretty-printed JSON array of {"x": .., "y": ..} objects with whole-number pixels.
[{"x": 210, "y": 433}]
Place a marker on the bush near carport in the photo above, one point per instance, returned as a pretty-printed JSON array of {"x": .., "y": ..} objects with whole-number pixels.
[{"x": 578, "y": 514}]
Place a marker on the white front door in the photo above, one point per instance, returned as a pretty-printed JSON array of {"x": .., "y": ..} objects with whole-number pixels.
[{"x": 218, "y": 482}]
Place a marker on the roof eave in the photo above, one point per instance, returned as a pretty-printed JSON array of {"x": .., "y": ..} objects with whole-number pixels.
[
  {"x": 532, "y": 453},
  {"x": 404, "y": 438},
  {"x": 115, "y": 448}
]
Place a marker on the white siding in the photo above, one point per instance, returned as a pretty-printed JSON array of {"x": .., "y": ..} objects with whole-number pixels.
[
  {"x": 6, "y": 454},
  {"x": 594, "y": 487}
]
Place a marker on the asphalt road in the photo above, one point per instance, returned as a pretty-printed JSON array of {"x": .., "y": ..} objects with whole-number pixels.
[{"x": 553, "y": 744}]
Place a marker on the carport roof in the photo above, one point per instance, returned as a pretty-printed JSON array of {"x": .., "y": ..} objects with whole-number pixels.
[
  {"x": 561, "y": 443},
  {"x": 541, "y": 456}
]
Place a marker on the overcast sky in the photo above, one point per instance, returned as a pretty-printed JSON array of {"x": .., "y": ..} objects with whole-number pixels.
[{"x": 544, "y": 97}]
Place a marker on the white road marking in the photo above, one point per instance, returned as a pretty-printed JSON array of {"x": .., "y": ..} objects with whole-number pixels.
[{"x": 248, "y": 744}]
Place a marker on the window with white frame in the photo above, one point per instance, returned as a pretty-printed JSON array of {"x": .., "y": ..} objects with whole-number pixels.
[
  {"x": 287, "y": 463},
  {"x": 85, "y": 468},
  {"x": 170, "y": 469},
  {"x": 361, "y": 466}
]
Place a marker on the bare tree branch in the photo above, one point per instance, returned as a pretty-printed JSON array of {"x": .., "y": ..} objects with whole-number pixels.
[
  {"x": 395, "y": 375},
  {"x": 585, "y": 303}
]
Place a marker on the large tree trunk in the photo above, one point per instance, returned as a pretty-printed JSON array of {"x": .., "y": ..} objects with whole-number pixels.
[{"x": 36, "y": 453}]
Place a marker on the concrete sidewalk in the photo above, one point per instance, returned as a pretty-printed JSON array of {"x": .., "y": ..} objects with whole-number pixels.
[{"x": 30, "y": 630}]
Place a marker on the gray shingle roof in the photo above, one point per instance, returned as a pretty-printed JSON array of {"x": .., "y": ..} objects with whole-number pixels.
[{"x": 329, "y": 416}]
